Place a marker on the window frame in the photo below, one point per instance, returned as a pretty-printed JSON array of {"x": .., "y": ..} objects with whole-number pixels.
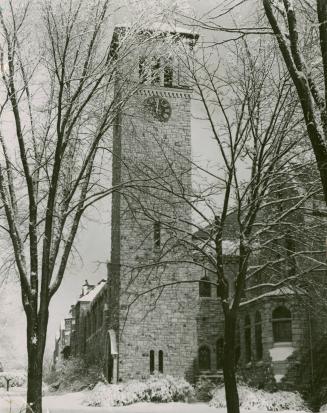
[
  {"x": 156, "y": 235},
  {"x": 208, "y": 354},
  {"x": 152, "y": 362},
  {"x": 258, "y": 336},
  {"x": 279, "y": 322},
  {"x": 247, "y": 339},
  {"x": 160, "y": 361},
  {"x": 204, "y": 287},
  {"x": 220, "y": 354}
]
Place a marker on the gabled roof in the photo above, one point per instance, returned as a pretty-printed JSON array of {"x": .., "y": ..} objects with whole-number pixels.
[
  {"x": 278, "y": 292},
  {"x": 91, "y": 295}
]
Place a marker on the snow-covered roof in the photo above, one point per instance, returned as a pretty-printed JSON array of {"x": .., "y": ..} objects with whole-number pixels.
[
  {"x": 230, "y": 247},
  {"x": 281, "y": 291},
  {"x": 90, "y": 296},
  {"x": 162, "y": 27},
  {"x": 278, "y": 292}
]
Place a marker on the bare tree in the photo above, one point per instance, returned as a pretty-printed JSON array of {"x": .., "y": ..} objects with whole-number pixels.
[
  {"x": 57, "y": 88},
  {"x": 254, "y": 186},
  {"x": 300, "y": 29}
]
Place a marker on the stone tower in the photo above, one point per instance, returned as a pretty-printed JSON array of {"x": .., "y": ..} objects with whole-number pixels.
[{"x": 151, "y": 314}]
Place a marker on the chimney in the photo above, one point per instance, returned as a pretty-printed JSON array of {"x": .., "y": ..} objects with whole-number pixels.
[{"x": 85, "y": 288}]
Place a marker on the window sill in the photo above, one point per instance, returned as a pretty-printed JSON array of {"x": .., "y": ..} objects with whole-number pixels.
[{"x": 283, "y": 344}]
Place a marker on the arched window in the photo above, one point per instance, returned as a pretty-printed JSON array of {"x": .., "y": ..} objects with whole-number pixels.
[
  {"x": 258, "y": 336},
  {"x": 219, "y": 353},
  {"x": 160, "y": 361},
  {"x": 151, "y": 361},
  {"x": 282, "y": 325},
  {"x": 247, "y": 335},
  {"x": 204, "y": 287},
  {"x": 204, "y": 358}
]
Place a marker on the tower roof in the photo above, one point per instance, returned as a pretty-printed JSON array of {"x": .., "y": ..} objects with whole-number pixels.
[{"x": 159, "y": 28}]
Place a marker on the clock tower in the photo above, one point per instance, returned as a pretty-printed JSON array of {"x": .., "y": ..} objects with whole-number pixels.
[{"x": 151, "y": 309}]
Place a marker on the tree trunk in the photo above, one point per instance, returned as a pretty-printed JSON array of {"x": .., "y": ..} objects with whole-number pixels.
[
  {"x": 36, "y": 338},
  {"x": 232, "y": 400},
  {"x": 34, "y": 379}
]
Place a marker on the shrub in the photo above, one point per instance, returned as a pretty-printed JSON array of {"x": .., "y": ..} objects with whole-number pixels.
[
  {"x": 73, "y": 374},
  {"x": 312, "y": 375},
  {"x": 261, "y": 377},
  {"x": 203, "y": 389},
  {"x": 17, "y": 378},
  {"x": 251, "y": 398},
  {"x": 157, "y": 388}
]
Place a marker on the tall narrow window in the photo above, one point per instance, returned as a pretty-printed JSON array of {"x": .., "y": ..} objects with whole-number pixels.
[
  {"x": 157, "y": 234},
  {"x": 160, "y": 361},
  {"x": 258, "y": 336},
  {"x": 89, "y": 325},
  {"x": 220, "y": 353},
  {"x": 247, "y": 334},
  {"x": 84, "y": 336},
  {"x": 151, "y": 361},
  {"x": 168, "y": 74},
  {"x": 204, "y": 358},
  {"x": 155, "y": 71},
  {"x": 142, "y": 69},
  {"x": 204, "y": 287},
  {"x": 101, "y": 309},
  {"x": 282, "y": 325}
]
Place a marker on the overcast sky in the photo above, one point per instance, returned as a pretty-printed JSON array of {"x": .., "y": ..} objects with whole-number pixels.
[{"x": 93, "y": 242}]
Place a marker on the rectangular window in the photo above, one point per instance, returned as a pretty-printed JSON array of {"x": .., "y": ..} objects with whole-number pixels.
[{"x": 156, "y": 234}]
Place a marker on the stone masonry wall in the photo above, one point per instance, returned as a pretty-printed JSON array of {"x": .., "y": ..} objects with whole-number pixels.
[
  {"x": 260, "y": 368},
  {"x": 156, "y": 164}
]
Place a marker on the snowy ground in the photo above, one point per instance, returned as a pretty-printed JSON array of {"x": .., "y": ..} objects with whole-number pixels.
[{"x": 13, "y": 402}]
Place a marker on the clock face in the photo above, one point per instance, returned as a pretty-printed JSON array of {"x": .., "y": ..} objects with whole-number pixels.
[{"x": 158, "y": 107}]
